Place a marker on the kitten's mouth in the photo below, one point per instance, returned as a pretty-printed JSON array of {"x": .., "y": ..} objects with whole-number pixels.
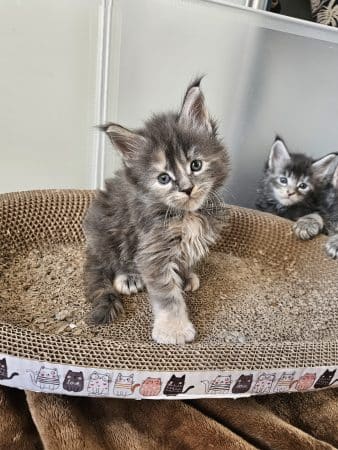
[
  {"x": 287, "y": 201},
  {"x": 189, "y": 203}
]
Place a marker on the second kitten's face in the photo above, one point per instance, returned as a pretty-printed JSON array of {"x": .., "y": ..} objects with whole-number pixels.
[
  {"x": 293, "y": 177},
  {"x": 177, "y": 159}
]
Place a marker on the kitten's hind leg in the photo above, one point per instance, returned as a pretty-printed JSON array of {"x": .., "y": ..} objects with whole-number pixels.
[
  {"x": 331, "y": 246},
  {"x": 192, "y": 282},
  {"x": 106, "y": 307},
  {"x": 308, "y": 226},
  {"x": 100, "y": 292},
  {"x": 128, "y": 284}
]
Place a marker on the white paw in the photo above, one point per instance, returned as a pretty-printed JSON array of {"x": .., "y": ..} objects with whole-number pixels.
[
  {"x": 331, "y": 246},
  {"x": 173, "y": 331},
  {"x": 192, "y": 283},
  {"x": 308, "y": 226},
  {"x": 128, "y": 284}
]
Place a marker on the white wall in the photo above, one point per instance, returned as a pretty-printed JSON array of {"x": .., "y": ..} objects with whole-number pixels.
[{"x": 48, "y": 65}]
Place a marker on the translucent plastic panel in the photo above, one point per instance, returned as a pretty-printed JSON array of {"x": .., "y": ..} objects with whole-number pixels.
[
  {"x": 265, "y": 74},
  {"x": 48, "y": 65}
]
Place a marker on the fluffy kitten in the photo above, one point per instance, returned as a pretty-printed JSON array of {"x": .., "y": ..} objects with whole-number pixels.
[
  {"x": 329, "y": 212},
  {"x": 156, "y": 218},
  {"x": 290, "y": 188}
]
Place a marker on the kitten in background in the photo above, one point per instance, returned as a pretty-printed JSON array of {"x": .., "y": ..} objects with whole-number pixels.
[
  {"x": 329, "y": 212},
  {"x": 157, "y": 217},
  {"x": 291, "y": 186}
]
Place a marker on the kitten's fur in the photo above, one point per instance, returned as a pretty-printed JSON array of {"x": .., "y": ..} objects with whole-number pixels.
[
  {"x": 329, "y": 212},
  {"x": 290, "y": 187},
  {"x": 141, "y": 232}
]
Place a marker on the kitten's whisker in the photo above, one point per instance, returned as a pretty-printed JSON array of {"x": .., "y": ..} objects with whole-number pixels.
[
  {"x": 230, "y": 193},
  {"x": 167, "y": 213}
]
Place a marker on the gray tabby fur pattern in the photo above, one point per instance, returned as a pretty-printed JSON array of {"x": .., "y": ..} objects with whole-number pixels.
[
  {"x": 145, "y": 233},
  {"x": 291, "y": 187},
  {"x": 329, "y": 212}
]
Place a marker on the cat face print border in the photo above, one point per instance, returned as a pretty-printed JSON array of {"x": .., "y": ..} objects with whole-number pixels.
[{"x": 54, "y": 378}]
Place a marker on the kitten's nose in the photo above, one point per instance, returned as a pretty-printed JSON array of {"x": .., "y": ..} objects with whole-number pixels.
[
  {"x": 291, "y": 193},
  {"x": 187, "y": 190}
]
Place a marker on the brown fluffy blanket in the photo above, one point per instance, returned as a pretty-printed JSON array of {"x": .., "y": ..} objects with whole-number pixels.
[{"x": 283, "y": 422}]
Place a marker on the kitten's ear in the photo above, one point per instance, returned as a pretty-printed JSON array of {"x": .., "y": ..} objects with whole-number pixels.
[
  {"x": 279, "y": 155},
  {"x": 127, "y": 142},
  {"x": 324, "y": 167},
  {"x": 194, "y": 112}
]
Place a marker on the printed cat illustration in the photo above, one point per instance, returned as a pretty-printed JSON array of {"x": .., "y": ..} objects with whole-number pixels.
[
  {"x": 284, "y": 382},
  {"x": 219, "y": 385},
  {"x": 175, "y": 386},
  {"x": 73, "y": 381},
  {"x": 4, "y": 371},
  {"x": 264, "y": 383},
  {"x": 151, "y": 387},
  {"x": 325, "y": 379},
  {"x": 98, "y": 384},
  {"x": 305, "y": 382},
  {"x": 243, "y": 384},
  {"x": 124, "y": 385},
  {"x": 45, "y": 378}
]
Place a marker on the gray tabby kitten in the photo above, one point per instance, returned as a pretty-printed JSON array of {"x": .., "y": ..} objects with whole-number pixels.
[
  {"x": 329, "y": 212},
  {"x": 291, "y": 186},
  {"x": 156, "y": 218}
]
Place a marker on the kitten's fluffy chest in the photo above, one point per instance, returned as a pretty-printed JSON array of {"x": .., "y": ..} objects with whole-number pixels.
[{"x": 196, "y": 236}]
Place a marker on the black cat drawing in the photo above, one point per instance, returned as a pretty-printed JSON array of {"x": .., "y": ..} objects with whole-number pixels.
[
  {"x": 175, "y": 386},
  {"x": 243, "y": 384},
  {"x": 73, "y": 381},
  {"x": 4, "y": 371},
  {"x": 325, "y": 379}
]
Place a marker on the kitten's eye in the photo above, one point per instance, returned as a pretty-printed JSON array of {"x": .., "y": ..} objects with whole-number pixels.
[
  {"x": 302, "y": 186},
  {"x": 283, "y": 180},
  {"x": 164, "y": 178},
  {"x": 196, "y": 165}
]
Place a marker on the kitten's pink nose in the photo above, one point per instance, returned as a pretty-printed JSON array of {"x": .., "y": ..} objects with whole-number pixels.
[{"x": 291, "y": 193}]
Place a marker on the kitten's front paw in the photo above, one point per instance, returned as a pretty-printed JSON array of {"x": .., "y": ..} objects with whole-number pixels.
[
  {"x": 128, "y": 284},
  {"x": 308, "y": 226},
  {"x": 331, "y": 246},
  {"x": 173, "y": 331},
  {"x": 192, "y": 283}
]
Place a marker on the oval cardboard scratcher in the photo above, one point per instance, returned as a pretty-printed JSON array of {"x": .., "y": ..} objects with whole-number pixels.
[{"x": 266, "y": 312}]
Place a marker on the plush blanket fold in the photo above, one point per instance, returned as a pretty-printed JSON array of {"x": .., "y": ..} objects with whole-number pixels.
[{"x": 284, "y": 422}]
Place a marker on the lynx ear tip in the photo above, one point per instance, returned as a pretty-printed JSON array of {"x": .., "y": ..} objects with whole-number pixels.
[
  {"x": 278, "y": 138},
  {"x": 103, "y": 127},
  {"x": 196, "y": 83}
]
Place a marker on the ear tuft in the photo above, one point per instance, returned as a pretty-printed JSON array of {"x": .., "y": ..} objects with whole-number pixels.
[
  {"x": 127, "y": 142},
  {"x": 279, "y": 155},
  {"x": 194, "y": 113}
]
